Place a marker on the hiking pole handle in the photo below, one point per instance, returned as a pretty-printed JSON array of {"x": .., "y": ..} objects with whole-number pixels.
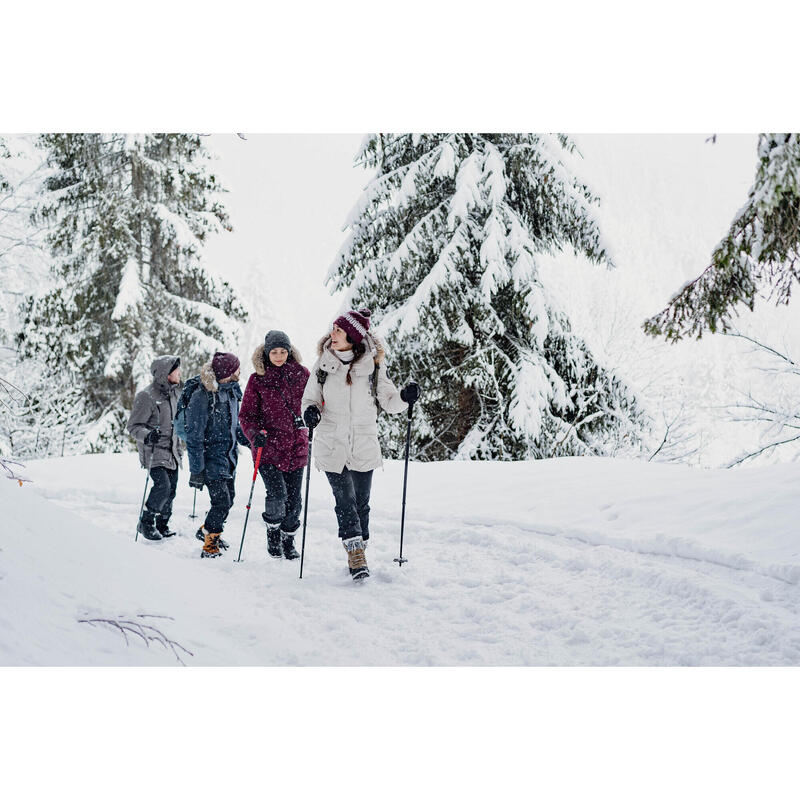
[{"x": 250, "y": 501}]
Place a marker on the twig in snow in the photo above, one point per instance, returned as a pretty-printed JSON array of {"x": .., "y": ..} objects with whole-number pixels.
[{"x": 147, "y": 633}]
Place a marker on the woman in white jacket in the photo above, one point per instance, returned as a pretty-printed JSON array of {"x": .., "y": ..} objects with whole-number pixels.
[{"x": 346, "y": 382}]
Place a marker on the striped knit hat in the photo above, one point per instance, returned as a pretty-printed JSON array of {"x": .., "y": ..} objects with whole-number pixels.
[{"x": 354, "y": 323}]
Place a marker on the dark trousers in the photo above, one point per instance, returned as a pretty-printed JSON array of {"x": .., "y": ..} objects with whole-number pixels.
[
  {"x": 221, "y": 493},
  {"x": 351, "y": 491},
  {"x": 159, "y": 501},
  {"x": 283, "y": 502}
]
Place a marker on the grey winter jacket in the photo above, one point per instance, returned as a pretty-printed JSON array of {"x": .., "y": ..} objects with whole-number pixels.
[
  {"x": 347, "y": 434},
  {"x": 156, "y": 406}
]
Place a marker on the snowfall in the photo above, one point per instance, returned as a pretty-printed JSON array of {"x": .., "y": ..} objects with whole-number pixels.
[{"x": 559, "y": 562}]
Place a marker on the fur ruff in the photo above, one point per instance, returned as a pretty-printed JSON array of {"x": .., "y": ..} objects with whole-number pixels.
[{"x": 208, "y": 379}]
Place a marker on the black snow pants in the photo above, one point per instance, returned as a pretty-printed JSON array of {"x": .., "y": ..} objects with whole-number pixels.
[
  {"x": 221, "y": 493},
  {"x": 159, "y": 501},
  {"x": 283, "y": 502},
  {"x": 351, "y": 491}
]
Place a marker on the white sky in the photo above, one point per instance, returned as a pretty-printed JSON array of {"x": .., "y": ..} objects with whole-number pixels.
[
  {"x": 289, "y": 196},
  {"x": 665, "y": 201}
]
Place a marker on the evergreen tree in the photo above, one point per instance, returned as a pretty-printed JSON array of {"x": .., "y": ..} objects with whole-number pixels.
[
  {"x": 444, "y": 243},
  {"x": 760, "y": 251},
  {"x": 127, "y": 217}
]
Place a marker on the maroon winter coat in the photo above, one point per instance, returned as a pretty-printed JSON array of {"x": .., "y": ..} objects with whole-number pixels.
[{"x": 263, "y": 408}]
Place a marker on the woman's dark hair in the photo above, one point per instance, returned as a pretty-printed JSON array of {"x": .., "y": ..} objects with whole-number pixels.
[{"x": 359, "y": 348}]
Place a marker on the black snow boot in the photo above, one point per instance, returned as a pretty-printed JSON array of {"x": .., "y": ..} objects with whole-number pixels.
[
  {"x": 288, "y": 546},
  {"x": 201, "y": 538},
  {"x": 274, "y": 543},
  {"x": 147, "y": 526},
  {"x": 162, "y": 526}
]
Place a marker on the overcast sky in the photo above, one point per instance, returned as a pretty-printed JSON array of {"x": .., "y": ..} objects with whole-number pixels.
[
  {"x": 665, "y": 201},
  {"x": 288, "y": 198}
]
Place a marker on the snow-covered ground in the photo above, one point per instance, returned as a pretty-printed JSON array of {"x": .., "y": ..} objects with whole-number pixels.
[{"x": 563, "y": 562}]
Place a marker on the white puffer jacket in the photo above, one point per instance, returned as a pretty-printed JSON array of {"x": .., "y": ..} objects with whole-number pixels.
[{"x": 347, "y": 435}]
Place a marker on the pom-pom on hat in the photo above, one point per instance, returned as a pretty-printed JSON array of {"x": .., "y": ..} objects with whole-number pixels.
[
  {"x": 224, "y": 365},
  {"x": 354, "y": 323}
]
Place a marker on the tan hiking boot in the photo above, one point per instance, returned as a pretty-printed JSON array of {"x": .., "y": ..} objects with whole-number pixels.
[
  {"x": 210, "y": 545},
  {"x": 356, "y": 558}
]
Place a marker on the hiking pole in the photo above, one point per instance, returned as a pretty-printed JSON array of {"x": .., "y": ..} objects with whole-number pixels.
[
  {"x": 194, "y": 503},
  {"x": 402, "y": 560},
  {"x": 146, "y": 481},
  {"x": 305, "y": 510},
  {"x": 250, "y": 500}
]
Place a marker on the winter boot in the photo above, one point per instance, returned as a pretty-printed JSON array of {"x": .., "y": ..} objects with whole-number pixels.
[
  {"x": 147, "y": 526},
  {"x": 162, "y": 526},
  {"x": 274, "y": 543},
  {"x": 288, "y": 546},
  {"x": 201, "y": 537},
  {"x": 211, "y": 545},
  {"x": 356, "y": 560}
]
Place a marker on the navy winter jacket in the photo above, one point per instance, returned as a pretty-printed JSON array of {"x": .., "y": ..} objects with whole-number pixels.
[{"x": 212, "y": 423}]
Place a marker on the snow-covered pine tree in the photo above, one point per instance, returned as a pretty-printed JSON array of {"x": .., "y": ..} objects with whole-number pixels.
[
  {"x": 443, "y": 248},
  {"x": 128, "y": 215},
  {"x": 760, "y": 251}
]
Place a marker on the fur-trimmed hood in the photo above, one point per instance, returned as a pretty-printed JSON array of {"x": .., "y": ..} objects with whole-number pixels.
[
  {"x": 373, "y": 343},
  {"x": 261, "y": 359},
  {"x": 209, "y": 379}
]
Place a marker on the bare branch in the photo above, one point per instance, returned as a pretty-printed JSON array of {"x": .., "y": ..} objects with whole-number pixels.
[{"x": 147, "y": 633}]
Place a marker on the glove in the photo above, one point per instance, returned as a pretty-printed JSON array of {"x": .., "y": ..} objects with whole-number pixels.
[
  {"x": 260, "y": 439},
  {"x": 410, "y": 394},
  {"x": 197, "y": 481},
  {"x": 312, "y": 417},
  {"x": 152, "y": 437}
]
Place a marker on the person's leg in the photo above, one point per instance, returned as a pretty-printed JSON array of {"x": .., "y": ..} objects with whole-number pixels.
[
  {"x": 345, "y": 498},
  {"x": 294, "y": 503},
  {"x": 349, "y": 523},
  {"x": 220, "y": 494},
  {"x": 221, "y": 501},
  {"x": 158, "y": 494},
  {"x": 162, "y": 520},
  {"x": 362, "y": 486},
  {"x": 274, "y": 507}
]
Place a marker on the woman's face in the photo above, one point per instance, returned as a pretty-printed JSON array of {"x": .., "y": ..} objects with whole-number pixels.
[
  {"x": 339, "y": 339},
  {"x": 278, "y": 356}
]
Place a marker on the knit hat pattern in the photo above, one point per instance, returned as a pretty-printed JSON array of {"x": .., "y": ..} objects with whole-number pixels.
[
  {"x": 276, "y": 339},
  {"x": 354, "y": 323},
  {"x": 224, "y": 365}
]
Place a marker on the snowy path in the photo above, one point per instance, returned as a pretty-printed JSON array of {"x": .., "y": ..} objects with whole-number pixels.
[{"x": 508, "y": 593}]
